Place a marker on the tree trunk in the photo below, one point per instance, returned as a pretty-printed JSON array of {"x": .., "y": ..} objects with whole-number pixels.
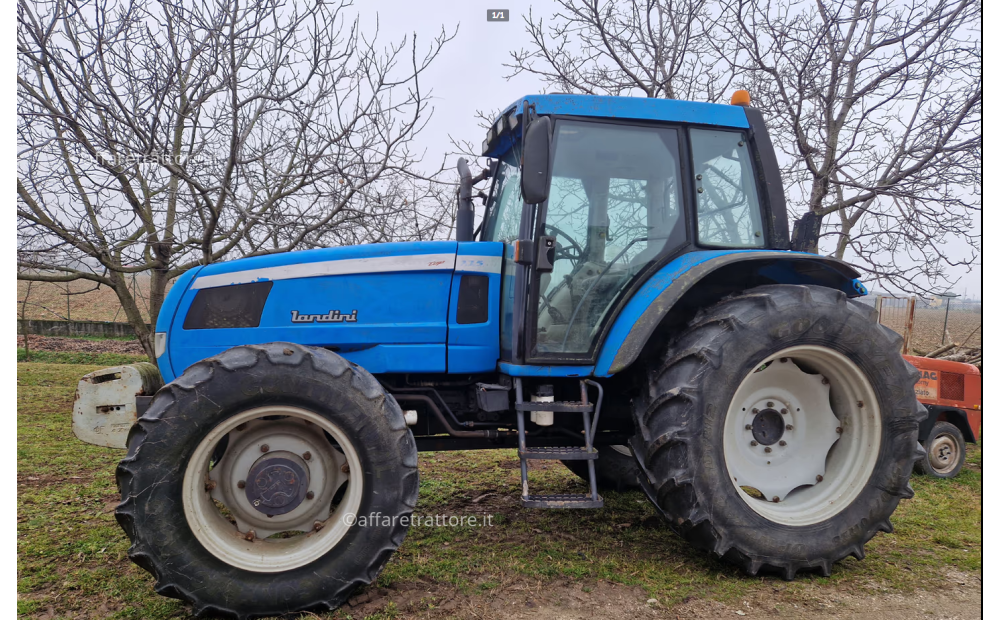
[{"x": 134, "y": 316}]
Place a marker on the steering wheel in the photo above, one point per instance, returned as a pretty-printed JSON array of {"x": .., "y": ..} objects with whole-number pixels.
[{"x": 563, "y": 251}]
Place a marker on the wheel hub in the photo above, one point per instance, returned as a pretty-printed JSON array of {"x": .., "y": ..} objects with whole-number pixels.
[
  {"x": 768, "y": 427},
  {"x": 277, "y": 484},
  {"x": 942, "y": 452},
  {"x": 267, "y": 502},
  {"x": 782, "y": 428},
  {"x": 802, "y": 434}
]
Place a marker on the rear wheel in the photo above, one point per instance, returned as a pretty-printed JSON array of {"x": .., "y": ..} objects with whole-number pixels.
[
  {"x": 779, "y": 430},
  {"x": 945, "y": 448},
  {"x": 615, "y": 468},
  {"x": 246, "y": 481}
]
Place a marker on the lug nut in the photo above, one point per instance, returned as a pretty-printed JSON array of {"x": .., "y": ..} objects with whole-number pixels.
[
  {"x": 250, "y": 535},
  {"x": 318, "y": 525},
  {"x": 782, "y": 443},
  {"x": 783, "y": 360},
  {"x": 775, "y": 499},
  {"x": 210, "y": 485},
  {"x": 861, "y": 403},
  {"x": 307, "y": 455},
  {"x": 265, "y": 448},
  {"x": 753, "y": 443},
  {"x": 767, "y": 449},
  {"x": 826, "y": 381},
  {"x": 819, "y": 478},
  {"x": 310, "y": 495},
  {"x": 346, "y": 468},
  {"x": 756, "y": 411},
  {"x": 784, "y": 412},
  {"x": 770, "y": 404},
  {"x": 241, "y": 427},
  {"x": 241, "y": 484},
  {"x": 839, "y": 430},
  {"x": 747, "y": 427},
  {"x": 788, "y": 427}
]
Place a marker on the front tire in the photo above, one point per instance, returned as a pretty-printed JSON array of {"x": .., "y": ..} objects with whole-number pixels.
[
  {"x": 945, "y": 448},
  {"x": 244, "y": 477},
  {"x": 779, "y": 430}
]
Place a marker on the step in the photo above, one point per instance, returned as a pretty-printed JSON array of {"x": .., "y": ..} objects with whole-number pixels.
[
  {"x": 560, "y": 406},
  {"x": 561, "y": 500},
  {"x": 562, "y": 453}
]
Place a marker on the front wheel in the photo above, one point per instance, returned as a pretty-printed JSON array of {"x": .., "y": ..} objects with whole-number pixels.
[
  {"x": 249, "y": 482},
  {"x": 945, "y": 448},
  {"x": 779, "y": 430}
]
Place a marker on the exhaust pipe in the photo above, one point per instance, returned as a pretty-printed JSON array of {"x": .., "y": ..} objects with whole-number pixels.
[{"x": 465, "y": 221}]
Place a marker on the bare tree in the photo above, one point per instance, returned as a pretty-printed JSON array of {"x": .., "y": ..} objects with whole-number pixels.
[
  {"x": 877, "y": 107},
  {"x": 652, "y": 48},
  {"x": 155, "y": 136},
  {"x": 25, "y": 323}
]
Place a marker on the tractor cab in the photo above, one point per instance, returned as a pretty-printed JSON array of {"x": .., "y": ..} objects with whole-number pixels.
[{"x": 619, "y": 185}]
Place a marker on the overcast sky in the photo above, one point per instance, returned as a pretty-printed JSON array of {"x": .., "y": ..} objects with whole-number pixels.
[{"x": 469, "y": 74}]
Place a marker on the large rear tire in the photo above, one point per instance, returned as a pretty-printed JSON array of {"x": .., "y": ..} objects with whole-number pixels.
[
  {"x": 779, "y": 430},
  {"x": 246, "y": 481}
]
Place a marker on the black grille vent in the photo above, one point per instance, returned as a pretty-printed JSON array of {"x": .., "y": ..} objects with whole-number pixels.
[{"x": 239, "y": 305}]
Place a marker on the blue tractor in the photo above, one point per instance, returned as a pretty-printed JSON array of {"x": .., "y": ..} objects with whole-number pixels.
[{"x": 628, "y": 304}]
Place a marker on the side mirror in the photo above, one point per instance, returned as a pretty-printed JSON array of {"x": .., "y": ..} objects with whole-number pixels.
[{"x": 535, "y": 161}]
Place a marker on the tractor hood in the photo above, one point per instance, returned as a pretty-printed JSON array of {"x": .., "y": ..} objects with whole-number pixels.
[{"x": 386, "y": 307}]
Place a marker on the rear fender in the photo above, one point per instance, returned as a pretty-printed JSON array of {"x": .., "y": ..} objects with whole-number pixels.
[
  {"x": 953, "y": 415},
  {"x": 697, "y": 279}
]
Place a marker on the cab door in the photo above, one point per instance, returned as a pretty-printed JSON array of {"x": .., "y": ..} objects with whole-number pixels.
[{"x": 615, "y": 207}]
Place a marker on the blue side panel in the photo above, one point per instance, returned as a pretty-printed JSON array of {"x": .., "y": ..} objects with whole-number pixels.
[
  {"x": 476, "y": 347},
  {"x": 399, "y": 290},
  {"x": 518, "y": 370},
  {"x": 166, "y": 317}
]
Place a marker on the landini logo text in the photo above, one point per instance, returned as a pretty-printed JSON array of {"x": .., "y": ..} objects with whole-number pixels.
[{"x": 333, "y": 316}]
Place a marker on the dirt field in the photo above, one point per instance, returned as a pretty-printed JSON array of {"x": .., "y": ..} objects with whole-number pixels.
[
  {"x": 81, "y": 345},
  {"x": 964, "y": 326},
  {"x": 47, "y": 300}
]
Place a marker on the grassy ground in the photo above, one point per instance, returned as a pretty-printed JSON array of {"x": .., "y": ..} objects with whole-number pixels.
[
  {"x": 78, "y": 358},
  {"x": 72, "y": 559}
]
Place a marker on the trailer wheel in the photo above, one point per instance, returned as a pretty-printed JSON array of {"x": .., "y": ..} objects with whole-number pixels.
[
  {"x": 945, "y": 448},
  {"x": 779, "y": 430},
  {"x": 615, "y": 468},
  {"x": 249, "y": 481}
]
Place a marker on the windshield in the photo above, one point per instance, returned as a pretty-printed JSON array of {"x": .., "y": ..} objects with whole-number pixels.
[
  {"x": 614, "y": 206},
  {"x": 504, "y": 207}
]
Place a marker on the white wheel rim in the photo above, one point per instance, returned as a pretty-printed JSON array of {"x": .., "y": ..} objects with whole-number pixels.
[
  {"x": 291, "y": 437},
  {"x": 828, "y": 454},
  {"x": 943, "y": 453}
]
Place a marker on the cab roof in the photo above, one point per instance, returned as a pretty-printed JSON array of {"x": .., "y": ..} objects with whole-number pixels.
[{"x": 500, "y": 136}]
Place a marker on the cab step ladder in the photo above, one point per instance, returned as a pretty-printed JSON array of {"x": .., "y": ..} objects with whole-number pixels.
[{"x": 581, "y": 453}]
